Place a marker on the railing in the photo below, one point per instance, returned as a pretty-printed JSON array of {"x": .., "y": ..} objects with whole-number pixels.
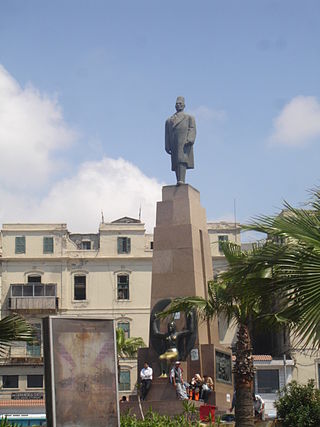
[{"x": 23, "y": 354}]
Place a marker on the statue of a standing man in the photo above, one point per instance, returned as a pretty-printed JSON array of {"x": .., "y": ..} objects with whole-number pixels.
[{"x": 180, "y": 137}]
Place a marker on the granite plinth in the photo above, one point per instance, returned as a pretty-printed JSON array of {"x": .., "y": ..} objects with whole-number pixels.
[{"x": 182, "y": 266}]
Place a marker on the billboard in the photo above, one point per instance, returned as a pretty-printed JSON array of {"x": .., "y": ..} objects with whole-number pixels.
[{"x": 80, "y": 372}]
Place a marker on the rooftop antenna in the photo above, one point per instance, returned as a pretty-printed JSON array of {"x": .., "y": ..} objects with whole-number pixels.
[
  {"x": 140, "y": 213},
  {"x": 102, "y": 217}
]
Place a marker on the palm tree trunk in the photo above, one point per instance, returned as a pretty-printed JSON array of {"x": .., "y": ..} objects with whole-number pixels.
[{"x": 244, "y": 373}]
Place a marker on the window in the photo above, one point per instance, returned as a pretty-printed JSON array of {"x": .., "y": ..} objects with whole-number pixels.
[
  {"x": 38, "y": 290},
  {"x": 123, "y": 286},
  {"x": 10, "y": 381},
  {"x": 34, "y": 381},
  {"x": 86, "y": 245},
  {"x": 222, "y": 239},
  {"x": 16, "y": 291},
  {"x": 124, "y": 383},
  {"x": 125, "y": 326},
  {"x": 48, "y": 245},
  {"x": 268, "y": 380},
  {"x": 20, "y": 245},
  {"x": 34, "y": 347},
  {"x": 124, "y": 245},
  {"x": 151, "y": 245},
  {"x": 50, "y": 290},
  {"x": 34, "y": 279},
  {"x": 27, "y": 290},
  {"x": 79, "y": 287}
]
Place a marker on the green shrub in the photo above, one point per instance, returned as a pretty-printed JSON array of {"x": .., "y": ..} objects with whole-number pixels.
[
  {"x": 5, "y": 423},
  {"x": 153, "y": 419},
  {"x": 299, "y": 405}
]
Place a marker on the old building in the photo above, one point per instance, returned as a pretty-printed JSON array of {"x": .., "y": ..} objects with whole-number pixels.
[{"x": 45, "y": 269}]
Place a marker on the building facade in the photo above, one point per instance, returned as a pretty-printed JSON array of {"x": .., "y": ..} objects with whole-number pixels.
[{"x": 45, "y": 269}]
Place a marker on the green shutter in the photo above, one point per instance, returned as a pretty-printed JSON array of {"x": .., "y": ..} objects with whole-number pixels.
[
  {"x": 124, "y": 383},
  {"x": 20, "y": 247},
  {"x": 120, "y": 251},
  {"x": 48, "y": 245},
  {"x": 128, "y": 245},
  {"x": 222, "y": 239}
]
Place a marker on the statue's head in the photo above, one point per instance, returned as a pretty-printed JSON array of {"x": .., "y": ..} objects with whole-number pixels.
[
  {"x": 171, "y": 327},
  {"x": 180, "y": 103}
]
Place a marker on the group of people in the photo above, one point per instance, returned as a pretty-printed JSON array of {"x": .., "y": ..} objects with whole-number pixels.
[
  {"x": 198, "y": 389},
  {"x": 201, "y": 388}
]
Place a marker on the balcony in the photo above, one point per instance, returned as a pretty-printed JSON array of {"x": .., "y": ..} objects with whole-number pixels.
[
  {"x": 33, "y": 298},
  {"x": 27, "y": 354}
]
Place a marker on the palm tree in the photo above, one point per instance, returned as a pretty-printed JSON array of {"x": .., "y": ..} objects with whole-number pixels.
[
  {"x": 127, "y": 347},
  {"x": 229, "y": 297},
  {"x": 292, "y": 252},
  {"x": 14, "y": 328}
]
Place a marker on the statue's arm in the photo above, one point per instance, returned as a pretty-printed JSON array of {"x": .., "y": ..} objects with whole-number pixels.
[
  {"x": 191, "y": 137},
  {"x": 167, "y": 138},
  {"x": 155, "y": 329},
  {"x": 184, "y": 333}
]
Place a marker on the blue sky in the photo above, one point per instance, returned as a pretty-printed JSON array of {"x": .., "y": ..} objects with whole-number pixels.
[{"x": 104, "y": 77}]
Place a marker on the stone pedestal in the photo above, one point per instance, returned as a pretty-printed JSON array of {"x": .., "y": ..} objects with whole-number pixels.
[{"x": 182, "y": 266}]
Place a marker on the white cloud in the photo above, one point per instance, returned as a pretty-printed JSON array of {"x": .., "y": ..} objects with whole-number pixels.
[
  {"x": 208, "y": 114},
  {"x": 32, "y": 129},
  {"x": 298, "y": 123},
  {"x": 115, "y": 186}
]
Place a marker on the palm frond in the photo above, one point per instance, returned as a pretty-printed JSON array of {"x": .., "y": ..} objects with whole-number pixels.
[
  {"x": 14, "y": 328},
  {"x": 128, "y": 347},
  {"x": 295, "y": 266}
]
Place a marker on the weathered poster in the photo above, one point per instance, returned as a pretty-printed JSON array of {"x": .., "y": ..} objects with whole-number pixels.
[{"x": 83, "y": 373}]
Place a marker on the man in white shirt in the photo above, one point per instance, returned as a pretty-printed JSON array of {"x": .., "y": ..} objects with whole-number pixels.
[{"x": 146, "y": 380}]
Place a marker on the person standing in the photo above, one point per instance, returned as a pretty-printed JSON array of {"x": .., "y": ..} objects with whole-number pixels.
[
  {"x": 258, "y": 406},
  {"x": 146, "y": 374},
  {"x": 176, "y": 379}
]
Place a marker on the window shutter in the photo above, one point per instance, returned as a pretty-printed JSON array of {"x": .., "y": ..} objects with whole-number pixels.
[
  {"x": 20, "y": 247},
  {"x": 120, "y": 245},
  {"x": 48, "y": 245},
  {"x": 128, "y": 245}
]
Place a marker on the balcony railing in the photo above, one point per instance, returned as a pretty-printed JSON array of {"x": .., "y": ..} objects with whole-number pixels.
[
  {"x": 35, "y": 297},
  {"x": 23, "y": 354}
]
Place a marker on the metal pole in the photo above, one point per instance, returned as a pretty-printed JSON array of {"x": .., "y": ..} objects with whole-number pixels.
[{"x": 285, "y": 368}]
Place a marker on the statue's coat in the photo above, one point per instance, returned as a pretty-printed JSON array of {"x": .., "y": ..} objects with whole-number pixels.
[{"x": 179, "y": 139}]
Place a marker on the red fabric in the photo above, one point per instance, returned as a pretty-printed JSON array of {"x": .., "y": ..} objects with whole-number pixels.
[{"x": 205, "y": 410}]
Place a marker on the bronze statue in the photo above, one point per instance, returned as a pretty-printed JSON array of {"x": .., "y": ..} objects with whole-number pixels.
[
  {"x": 179, "y": 139},
  {"x": 172, "y": 345}
]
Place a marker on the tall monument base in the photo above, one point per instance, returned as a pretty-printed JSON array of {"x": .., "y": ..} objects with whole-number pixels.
[{"x": 182, "y": 266}]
